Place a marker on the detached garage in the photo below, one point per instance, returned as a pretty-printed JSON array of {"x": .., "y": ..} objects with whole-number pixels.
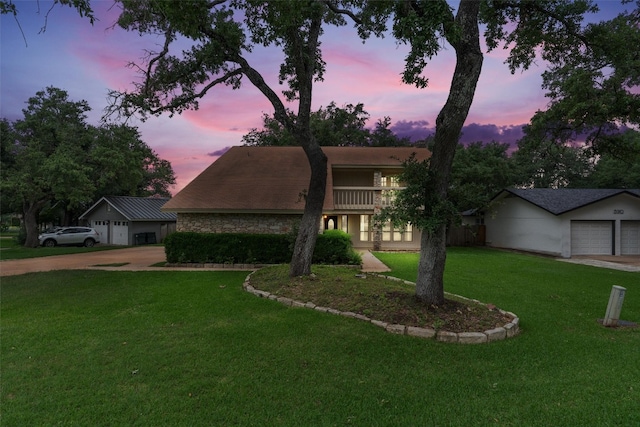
[
  {"x": 566, "y": 222},
  {"x": 124, "y": 220}
]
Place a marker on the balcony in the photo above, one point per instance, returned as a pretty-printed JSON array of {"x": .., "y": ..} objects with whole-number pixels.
[{"x": 362, "y": 198}]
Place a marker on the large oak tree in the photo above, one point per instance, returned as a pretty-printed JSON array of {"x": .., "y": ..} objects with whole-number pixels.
[
  {"x": 220, "y": 36},
  {"x": 53, "y": 156},
  {"x": 580, "y": 57}
]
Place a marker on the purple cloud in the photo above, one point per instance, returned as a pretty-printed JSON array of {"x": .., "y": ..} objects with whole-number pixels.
[{"x": 219, "y": 152}]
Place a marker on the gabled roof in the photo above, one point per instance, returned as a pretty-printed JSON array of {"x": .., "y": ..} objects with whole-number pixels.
[
  {"x": 562, "y": 200},
  {"x": 273, "y": 179},
  {"x": 136, "y": 208}
]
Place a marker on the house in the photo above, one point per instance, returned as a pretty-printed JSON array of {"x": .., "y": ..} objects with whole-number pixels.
[
  {"x": 261, "y": 190},
  {"x": 565, "y": 222},
  {"x": 124, "y": 220}
]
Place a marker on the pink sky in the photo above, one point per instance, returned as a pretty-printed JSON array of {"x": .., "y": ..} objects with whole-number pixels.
[{"x": 87, "y": 61}]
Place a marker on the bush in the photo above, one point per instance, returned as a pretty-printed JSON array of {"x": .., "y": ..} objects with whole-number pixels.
[{"x": 332, "y": 247}]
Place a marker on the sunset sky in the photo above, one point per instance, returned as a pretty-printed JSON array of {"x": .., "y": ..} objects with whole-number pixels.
[{"x": 87, "y": 61}]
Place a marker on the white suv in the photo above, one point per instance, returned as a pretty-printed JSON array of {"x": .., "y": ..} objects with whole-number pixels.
[{"x": 82, "y": 236}]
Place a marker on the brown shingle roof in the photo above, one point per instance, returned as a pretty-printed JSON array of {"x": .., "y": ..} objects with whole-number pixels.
[{"x": 271, "y": 179}]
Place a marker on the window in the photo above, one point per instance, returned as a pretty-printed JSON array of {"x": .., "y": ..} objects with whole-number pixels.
[
  {"x": 386, "y": 232},
  {"x": 408, "y": 233},
  {"x": 364, "y": 228},
  {"x": 345, "y": 223},
  {"x": 390, "y": 181},
  {"x": 396, "y": 234}
]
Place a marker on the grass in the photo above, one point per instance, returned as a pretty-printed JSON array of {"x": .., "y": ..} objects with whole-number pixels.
[
  {"x": 9, "y": 249},
  {"x": 192, "y": 348},
  {"x": 378, "y": 298}
]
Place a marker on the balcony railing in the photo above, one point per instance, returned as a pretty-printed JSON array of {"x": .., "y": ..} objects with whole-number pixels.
[{"x": 359, "y": 198}]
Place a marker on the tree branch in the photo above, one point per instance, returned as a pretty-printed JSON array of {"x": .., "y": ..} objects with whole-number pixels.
[{"x": 335, "y": 9}]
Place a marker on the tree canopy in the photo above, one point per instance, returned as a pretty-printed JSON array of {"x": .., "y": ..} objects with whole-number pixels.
[
  {"x": 554, "y": 30},
  {"x": 332, "y": 126},
  {"x": 220, "y": 35},
  {"x": 52, "y": 156}
]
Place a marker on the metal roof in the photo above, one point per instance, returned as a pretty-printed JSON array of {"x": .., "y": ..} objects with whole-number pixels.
[
  {"x": 562, "y": 200},
  {"x": 136, "y": 208}
]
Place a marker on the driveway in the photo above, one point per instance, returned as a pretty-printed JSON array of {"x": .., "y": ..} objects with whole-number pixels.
[
  {"x": 622, "y": 262},
  {"x": 136, "y": 258},
  {"x": 141, "y": 258}
]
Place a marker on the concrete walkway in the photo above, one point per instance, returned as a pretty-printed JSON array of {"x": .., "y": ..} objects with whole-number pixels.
[{"x": 371, "y": 264}]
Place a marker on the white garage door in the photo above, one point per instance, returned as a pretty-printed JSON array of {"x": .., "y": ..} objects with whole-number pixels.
[
  {"x": 630, "y": 238},
  {"x": 102, "y": 228},
  {"x": 120, "y": 232},
  {"x": 591, "y": 238}
]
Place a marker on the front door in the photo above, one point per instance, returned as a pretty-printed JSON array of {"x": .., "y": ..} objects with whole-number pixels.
[{"x": 331, "y": 222}]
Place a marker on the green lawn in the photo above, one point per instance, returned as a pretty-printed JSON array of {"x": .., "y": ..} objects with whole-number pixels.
[
  {"x": 9, "y": 249},
  {"x": 191, "y": 348}
]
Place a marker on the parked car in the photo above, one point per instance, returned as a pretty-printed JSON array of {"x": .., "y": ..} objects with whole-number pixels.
[{"x": 82, "y": 236}]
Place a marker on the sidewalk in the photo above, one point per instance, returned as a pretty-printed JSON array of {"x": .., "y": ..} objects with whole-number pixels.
[{"x": 371, "y": 264}]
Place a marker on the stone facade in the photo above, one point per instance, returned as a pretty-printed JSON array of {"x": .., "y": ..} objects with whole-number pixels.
[
  {"x": 237, "y": 223},
  {"x": 377, "y": 207}
]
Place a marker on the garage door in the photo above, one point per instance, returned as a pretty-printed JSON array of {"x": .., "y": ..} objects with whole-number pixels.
[
  {"x": 120, "y": 232},
  {"x": 591, "y": 238},
  {"x": 102, "y": 228},
  {"x": 630, "y": 238}
]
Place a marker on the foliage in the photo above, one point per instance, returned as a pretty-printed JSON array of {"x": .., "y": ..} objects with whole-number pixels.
[
  {"x": 479, "y": 172},
  {"x": 546, "y": 164},
  {"x": 332, "y": 247},
  {"x": 416, "y": 202},
  {"x": 614, "y": 171},
  {"x": 220, "y": 35},
  {"x": 83, "y": 7},
  {"x": 593, "y": 86},
  {"x": 552, "y": 30},
  {"x": 335, "y": 247},
  {"x": 332, "y": 126},
  {"x": 192, "y": 348},
  {"x": 219, "y": 248},
  {"x": 53, "y": 158}
]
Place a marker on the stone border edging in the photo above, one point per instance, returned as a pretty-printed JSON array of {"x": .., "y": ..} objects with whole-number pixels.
[{"x": 509, "y": 330}]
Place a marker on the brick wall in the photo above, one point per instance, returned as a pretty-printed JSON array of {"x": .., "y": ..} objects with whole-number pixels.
[{"x": 236, "y": 223}]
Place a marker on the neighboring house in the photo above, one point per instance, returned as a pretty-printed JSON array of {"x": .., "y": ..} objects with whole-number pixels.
[
  {"x": 124, "y": 220},
  {"x": 262, "y": 190},
  {"x": 565, "y": 222}
]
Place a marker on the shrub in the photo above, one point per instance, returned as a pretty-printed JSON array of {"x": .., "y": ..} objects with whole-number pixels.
[{"x": 332, "y": 247}]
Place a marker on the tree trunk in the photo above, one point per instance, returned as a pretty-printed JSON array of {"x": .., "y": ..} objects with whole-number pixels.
[
  {"x": 30, "y": 212},
  {"x": 433, "y": 251},
  {"x": 308, "y": 231}
]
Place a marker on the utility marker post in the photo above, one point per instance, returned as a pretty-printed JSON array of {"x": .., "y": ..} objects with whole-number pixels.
[{"x": 614, "y": 307}]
